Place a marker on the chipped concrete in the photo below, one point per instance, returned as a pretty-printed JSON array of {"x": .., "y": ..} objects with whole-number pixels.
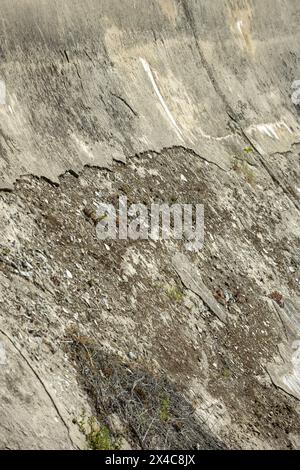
[
  {"x": 161, "y": 101},
  {"x": 89, "y": 101},
  {"x": 203, "y": 319},
  {"x": 286, "y": 374}
]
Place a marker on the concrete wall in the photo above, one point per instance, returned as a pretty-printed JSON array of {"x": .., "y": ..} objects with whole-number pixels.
[{"x": 95, "y": 80}]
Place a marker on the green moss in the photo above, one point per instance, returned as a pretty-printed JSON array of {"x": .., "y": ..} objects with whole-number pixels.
[
  {"x": 164, "y": 411},
  {"x": 226, "y": 373},
  {"x": 98, "y": 437},
  {"x": 174, "y": 293}
]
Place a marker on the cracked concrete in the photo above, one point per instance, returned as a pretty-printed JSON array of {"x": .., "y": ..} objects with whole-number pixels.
[
  {"x": 168, "y": 100},
  {"x": 169, "y": 312},
  {"x": 91, "y": 100}
]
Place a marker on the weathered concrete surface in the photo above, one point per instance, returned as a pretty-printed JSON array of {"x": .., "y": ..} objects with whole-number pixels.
[
  {"x": 95, "y": 80},
  {"x": 286, "y": 374},
  {"x": 30, "y": 410},
  {"x": 197, "y": 82},
  {"x": 154, "y": 306},
  {"x": 191, "y": 279}
]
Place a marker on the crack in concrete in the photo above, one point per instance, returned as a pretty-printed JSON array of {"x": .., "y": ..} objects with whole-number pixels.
[
  {"x": 125, "y": 103},
  {"x": 40, "y": 380}
]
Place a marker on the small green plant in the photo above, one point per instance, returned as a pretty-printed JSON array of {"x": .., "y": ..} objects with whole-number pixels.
[
  {"x": 226, "y": 373},
  {"x": 98, "y": 437},
  {"x": 248, "y": 150},
  {"x": 174, "y": 293},
  {"x": 101, "y": 217},
  {"x": 164, "y": 411}
]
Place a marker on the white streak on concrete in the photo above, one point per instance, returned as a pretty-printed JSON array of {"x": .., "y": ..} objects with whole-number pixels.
[
  {"x": 296, "y": 94},
  {"x": 270, "y": 129},
  {"x": 287, "y": 127},
  {"x": 292, "y": 379},
  {"x": 239, "y": 25},
  {"x": 2, "y": 92},
  {"x": 218, "y": 139},
  {"x": 162, "y": 101},
  {"x": 171, "y": 119},
  {"x": 2, "y": 355},
  {"x": 85, "y": 149}
]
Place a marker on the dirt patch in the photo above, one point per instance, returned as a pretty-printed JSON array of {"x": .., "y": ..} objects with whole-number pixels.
[{"x": 126, "y": 295}]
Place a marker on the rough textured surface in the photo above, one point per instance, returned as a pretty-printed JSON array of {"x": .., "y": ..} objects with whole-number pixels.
[
  {"x": 96, "y": 80},
  {"x": 173, "y": 101},
  {"x": 59, "y": 282},
  {"x": 191, "y": 279}
]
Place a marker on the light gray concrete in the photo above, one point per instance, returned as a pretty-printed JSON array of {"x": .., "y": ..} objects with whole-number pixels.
[
  {"x": 87, "y": 82},
  {"x": 91, "y": 81}
]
